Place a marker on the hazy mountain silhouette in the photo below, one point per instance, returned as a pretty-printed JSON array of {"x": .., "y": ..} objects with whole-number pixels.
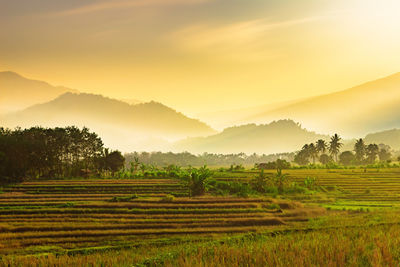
[
  {"x": 17, "y": 92},
  {"x": 226, "y": 118},
  {"x": 373, "y": 106},
  {"x": 389, "y": 137},
  {"x": 276, "y": 137},
  {"x": 127, "y": 127}
]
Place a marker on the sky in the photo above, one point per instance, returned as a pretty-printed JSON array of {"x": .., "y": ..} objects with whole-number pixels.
[{"x": 202, "y": 55}]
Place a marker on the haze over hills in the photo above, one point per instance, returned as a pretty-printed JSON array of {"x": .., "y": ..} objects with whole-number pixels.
[
  {"x": 146, "y": 126},
  {"x": 276, "y": 137},
  {"x": 130, "y": 125},
  {"x": 370, "y": 107},
  {"x": 389, "y": 137},
  {"x": 227, "y": 118},
  {"x": 17, "y": 92}
]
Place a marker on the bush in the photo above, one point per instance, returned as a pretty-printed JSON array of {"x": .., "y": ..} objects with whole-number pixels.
[
  {"x": 123, "y": 199},
  {"x": 260, "y": 182},
  {"x": 232, "y": 188},
  {"x": 167, "y": 199},
  {"x": 310, "y": 183},
  {"x": 197, "y": 180},
  {"x": 294, "y": 188}
]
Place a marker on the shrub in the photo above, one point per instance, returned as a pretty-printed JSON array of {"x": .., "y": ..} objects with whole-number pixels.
[
  {"x": 197, "y": 180},
  {"x": 310, "y": 182},
  {"x": 123, "y": 199},
  {"x": 260, "y": 182},
  {"x": 232, "y": 188},
  {"x": 294, "y": 188},
  {"x": 167, "y": 199}
]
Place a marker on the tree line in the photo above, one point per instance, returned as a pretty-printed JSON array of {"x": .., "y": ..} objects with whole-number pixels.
[
  {"x": 330, "y": 152},
  {"x": 54, "y": 153},
  {"x": 184, "y": 159}
]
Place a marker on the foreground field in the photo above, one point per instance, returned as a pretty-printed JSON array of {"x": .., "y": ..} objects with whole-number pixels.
[
  {"x": 352, "y": 219},
  {"x": 341, "y": 187}
]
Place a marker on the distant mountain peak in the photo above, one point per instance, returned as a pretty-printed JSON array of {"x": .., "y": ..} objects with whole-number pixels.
[
  {"x": 18, "y": 92},
  {"x": 10, "y": 74}
]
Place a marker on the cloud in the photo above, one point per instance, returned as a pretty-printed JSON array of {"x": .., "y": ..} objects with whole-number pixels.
[
  {"x": 120, "y": 4},
  {"x": 249, "y": 38}
]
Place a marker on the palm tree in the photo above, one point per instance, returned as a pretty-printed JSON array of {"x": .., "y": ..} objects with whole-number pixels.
[
  {"x": 313, "y": 152},
  {"x": 335, "y": 145},
  {"x": 360, "y": 150},
  {"x": 306, "y": 149},
  {"x": 321, "y": 146}
]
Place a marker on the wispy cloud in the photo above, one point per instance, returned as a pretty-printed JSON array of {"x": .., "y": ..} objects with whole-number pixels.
[
  {"x": 247, "y": 37},
  {"x": 120, "y": 4}
]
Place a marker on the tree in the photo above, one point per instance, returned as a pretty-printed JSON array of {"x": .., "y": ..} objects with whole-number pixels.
[
  {"x": 198, "y": 181},
  {"x": 260, "y": 182},
  {"x": 346, "y": 158},
  {"x": 49, "y": 152},
  {"x": 114, "y": 161},
  {"x": 280, "y": 179},
  {"x": 335, "y": 145},
  {"x": 360, "y": 150},
  {"x": 372, "y": 153},
  {"x": 313, "y": 152},
  {"x": 302, "y": 157},
  {"x": 321, "y": 146},
  {"x": 384, "y": 155},
  {"x": 325, "y": 159}
]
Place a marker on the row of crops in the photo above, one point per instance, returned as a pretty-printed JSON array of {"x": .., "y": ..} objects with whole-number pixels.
[
  {"x": 372, "y": 185},
  {"x": 74, "y": 216}
]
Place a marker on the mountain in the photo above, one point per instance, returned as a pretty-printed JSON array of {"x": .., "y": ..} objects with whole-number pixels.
[
  {"x": 146, "y": 126},
  {"x": 17, "y": 92},
  {"x": 131, "y": 101},
  {"x": 226, "y": 118},
  {"x": 370, "y": 107},
  {"x": 276, "y": 137},
  {"x": 389, "y": 137}
]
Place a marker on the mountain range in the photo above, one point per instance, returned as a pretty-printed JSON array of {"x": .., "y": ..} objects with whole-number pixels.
[
  {"x": 370, "y": 107},
  {"x": 18, "y": 92},
  {"x": 369, "y": 110},
  {"x": 275, "y": 137},
  {"x": 120, "y": 124}
]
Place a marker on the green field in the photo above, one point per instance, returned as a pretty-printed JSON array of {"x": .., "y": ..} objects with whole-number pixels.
[{"x": 351, "y": 218}]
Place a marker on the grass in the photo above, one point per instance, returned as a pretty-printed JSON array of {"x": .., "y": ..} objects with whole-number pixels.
[{"x": 348, "y": 218}]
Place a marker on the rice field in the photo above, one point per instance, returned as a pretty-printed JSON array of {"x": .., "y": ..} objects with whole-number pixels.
[
  {"x": 153, "y": 222},
  {"x": 375, "y": 186},
  {"x": 72, "y": 216}
]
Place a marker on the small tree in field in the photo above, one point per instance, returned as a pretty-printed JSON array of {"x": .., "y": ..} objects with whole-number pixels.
[
  {"x": 198, "y": 180},
  {"x": 280, "y": 180},
  {"x": 260, "y": 182}
]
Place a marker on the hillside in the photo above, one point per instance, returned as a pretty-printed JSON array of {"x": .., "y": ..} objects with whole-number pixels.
[
  {"x": 389, "y": 137},
  {"x": 127, "y": 127},
  {"x": 17, "y": 92},
  {"x": 370, "y": 107},
  {"x": 226, "y": 118},
  {"x": 276, "y": 137}
]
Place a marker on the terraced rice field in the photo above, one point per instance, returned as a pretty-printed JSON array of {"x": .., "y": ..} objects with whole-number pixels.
[
  {"x": 69, "y": 217},
  {"x": 363, "y": 185},
  {"x": 77, "y": 216}
]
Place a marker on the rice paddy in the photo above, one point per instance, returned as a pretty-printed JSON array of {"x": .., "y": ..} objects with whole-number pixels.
[{"x": 85, "y": 222}]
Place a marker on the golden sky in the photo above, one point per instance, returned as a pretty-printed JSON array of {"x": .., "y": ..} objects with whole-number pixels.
[{"x": 202, "y": 55}]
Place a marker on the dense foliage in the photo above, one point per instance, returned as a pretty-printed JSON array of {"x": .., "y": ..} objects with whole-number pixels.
[
  {"x": 363, "y": 154},
  {"x": 59, "y": 152},
  {"x": 187, "y": 159}
]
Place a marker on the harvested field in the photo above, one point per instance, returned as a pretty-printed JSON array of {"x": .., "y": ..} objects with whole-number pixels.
[{"x": 84, "y": 214}]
